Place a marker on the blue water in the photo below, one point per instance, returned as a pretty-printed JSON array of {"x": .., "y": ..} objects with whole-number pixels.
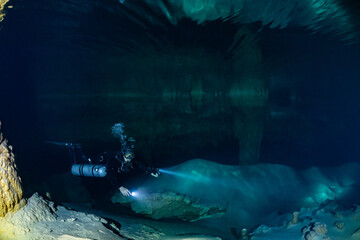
[{"x": 71, "y": 69}]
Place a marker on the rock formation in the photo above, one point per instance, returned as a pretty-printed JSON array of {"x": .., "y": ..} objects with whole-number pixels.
[
  {"x": 41, "y": 219},
  {"x": 2, "y": 4},
  {"x": 10, "y": 191},
  {"x": 315, "y": 231},
  {"x": 170, "y": 205}
]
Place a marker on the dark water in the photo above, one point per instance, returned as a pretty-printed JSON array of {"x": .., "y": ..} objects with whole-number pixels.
[{"x": 228, "y": 91}]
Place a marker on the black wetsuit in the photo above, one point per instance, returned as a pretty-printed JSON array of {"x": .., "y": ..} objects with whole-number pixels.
[{"x": 117, "y": 167}]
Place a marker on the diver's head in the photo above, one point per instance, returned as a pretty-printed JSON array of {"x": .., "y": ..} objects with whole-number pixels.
[{"x": 128, "y": 155}]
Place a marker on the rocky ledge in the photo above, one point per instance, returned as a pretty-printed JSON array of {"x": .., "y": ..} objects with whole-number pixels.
[{"x": 170, "y": 205}]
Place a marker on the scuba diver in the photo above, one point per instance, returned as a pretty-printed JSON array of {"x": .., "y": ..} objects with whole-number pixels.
[{"x": 110, "y": 165}]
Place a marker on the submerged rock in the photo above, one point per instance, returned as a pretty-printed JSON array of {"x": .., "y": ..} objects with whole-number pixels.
[
  {"x": 36, "y": 210},
  {"x": 315, "y": 231},
  {"x": 318, "y": 223},
  {"x": 40, "y": 219},
  {"x": 171, "y": 205},
  {"x": 252, "y": 194}
]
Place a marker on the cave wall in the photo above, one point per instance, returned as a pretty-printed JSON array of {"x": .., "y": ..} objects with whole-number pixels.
[{"x": 177, "y": 102}]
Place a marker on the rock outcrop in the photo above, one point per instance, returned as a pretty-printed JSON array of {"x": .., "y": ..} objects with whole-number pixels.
[
  {"x": 41, "y": 219},
  {"x": 315, "y": 231},
  {"x": 170, "y": 205},
  {"x": 10, "y": 183}
]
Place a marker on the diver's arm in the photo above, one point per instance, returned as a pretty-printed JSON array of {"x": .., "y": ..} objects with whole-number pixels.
[
  {"x": 151, "y": 170},
  {"x": 112, "y": 176},
  {"x": 113, "y": 170},
  {"x": 113, "y": 180}
]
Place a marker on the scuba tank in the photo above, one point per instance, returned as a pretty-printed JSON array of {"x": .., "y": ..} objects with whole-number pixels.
[{"x": 89, "y": 170}]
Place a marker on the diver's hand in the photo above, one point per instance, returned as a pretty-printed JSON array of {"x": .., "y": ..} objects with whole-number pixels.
[
  {"x": 155, "y": 172},
  {"x": 124, "y": 191}
]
